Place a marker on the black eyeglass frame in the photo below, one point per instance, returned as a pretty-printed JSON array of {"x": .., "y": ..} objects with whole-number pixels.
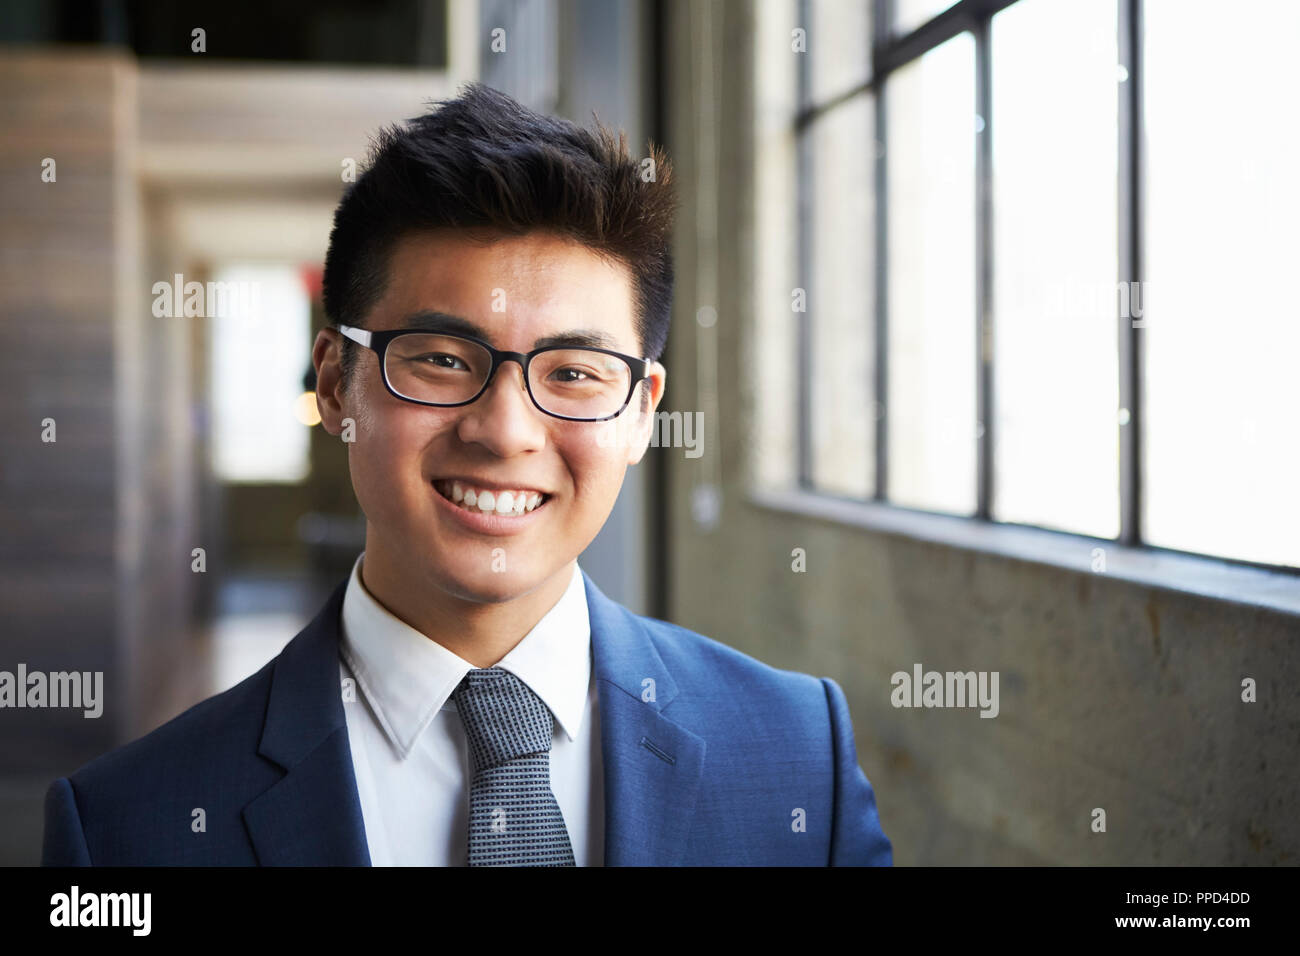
[{"x": 379, "y": 341}]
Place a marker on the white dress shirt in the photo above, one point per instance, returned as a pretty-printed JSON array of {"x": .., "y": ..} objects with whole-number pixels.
[{"x": 409, "y": 750}]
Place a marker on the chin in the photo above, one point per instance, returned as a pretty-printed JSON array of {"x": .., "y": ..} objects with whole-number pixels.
[{"x": 488, "y": 586}]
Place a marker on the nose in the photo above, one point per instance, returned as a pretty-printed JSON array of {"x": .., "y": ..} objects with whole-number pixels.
[{"x": 504, "y": 419}]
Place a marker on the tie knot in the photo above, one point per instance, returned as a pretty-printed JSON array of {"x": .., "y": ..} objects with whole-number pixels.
[{"x": 503, "y": 719}]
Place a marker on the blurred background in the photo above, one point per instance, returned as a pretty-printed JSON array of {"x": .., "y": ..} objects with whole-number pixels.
[{"x": 985, "y": 324}]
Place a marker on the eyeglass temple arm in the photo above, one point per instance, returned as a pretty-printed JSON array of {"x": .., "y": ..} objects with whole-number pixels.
[{"x": 360, "y": 336}]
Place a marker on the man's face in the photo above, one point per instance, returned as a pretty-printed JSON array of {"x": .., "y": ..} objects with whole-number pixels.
[{"x": 517, "y": 290}]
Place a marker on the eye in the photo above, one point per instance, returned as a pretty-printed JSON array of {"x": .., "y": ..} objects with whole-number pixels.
[
  {"x": 432, "y": 358},
  {"x": 570, "y": 369}
]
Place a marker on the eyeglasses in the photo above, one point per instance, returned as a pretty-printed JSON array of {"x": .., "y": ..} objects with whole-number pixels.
[{"x": 446, "y": 369}]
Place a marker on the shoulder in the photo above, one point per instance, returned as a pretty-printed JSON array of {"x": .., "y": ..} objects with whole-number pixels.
[
  {"x": 141, "y": 803},
  {"x": 202, "y": 742},
  {"x": 709, "y": 671}
]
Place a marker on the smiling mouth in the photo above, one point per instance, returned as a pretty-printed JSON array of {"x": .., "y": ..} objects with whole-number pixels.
[{"x": 492, "y": 503}]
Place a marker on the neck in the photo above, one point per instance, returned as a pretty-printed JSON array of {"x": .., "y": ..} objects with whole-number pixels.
[{"x": 481, "y": 632}]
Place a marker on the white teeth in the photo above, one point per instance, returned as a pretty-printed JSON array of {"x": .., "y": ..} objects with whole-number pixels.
[{"x": 507, "y": 503}]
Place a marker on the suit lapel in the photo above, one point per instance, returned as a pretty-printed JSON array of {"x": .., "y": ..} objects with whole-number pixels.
[
  {"x": 312, "y": 815},
  {"x": 653, "y": 766}
]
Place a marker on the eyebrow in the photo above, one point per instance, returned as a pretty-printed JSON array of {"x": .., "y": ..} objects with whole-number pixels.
[{"x": 430, "y": 321}]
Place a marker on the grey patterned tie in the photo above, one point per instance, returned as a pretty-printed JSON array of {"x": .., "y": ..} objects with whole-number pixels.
[{"x": 514, "y": 819}]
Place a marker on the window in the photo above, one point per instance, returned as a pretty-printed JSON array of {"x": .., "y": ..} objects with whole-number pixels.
[
  {"x": 930, "y": 229},
  {"x": 260, "y": 344},
  {"x": 840, "y": 290},
  {"x": 1221, "y": 389},
  {"x": 840, "y": 287},
  {"x": 1046, "y": 252},
  {"x": 1055, "y": 265}
]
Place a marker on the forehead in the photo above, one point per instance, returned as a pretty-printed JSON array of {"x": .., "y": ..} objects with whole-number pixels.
[{"x": 517, "y": 287}]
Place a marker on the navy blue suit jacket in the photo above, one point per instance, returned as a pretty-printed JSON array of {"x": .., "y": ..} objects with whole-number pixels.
[{"x": 728, "y": 762}]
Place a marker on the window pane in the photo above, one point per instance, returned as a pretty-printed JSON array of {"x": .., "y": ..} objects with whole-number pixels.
[
  {"x": 1221, "y": 329},
  {"x": 1055, "y": 295},
  {"x": 771, "y": 440},
  {"x": 839, "y": 46},
  {"x": 931, "y": 211},
  {"x": 910, "y": 14},
  {"x": 841, "y": 300},
  {"x": 261, "y": 346}
]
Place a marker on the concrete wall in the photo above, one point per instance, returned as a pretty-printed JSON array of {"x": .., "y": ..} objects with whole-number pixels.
[
  {"x": 1113, "y": 694},
  {"x": 94, "y": 555}
]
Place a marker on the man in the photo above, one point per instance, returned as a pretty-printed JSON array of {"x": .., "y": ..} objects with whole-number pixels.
[{"x": 500, "y": 286}]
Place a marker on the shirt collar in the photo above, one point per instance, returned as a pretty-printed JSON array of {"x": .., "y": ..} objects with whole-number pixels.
[{"x": 408, "y": 678}]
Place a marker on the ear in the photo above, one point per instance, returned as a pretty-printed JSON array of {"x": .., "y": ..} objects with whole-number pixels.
[
  {"x": 645, "y": 421},
  {"x": 326, "y": 358}
]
